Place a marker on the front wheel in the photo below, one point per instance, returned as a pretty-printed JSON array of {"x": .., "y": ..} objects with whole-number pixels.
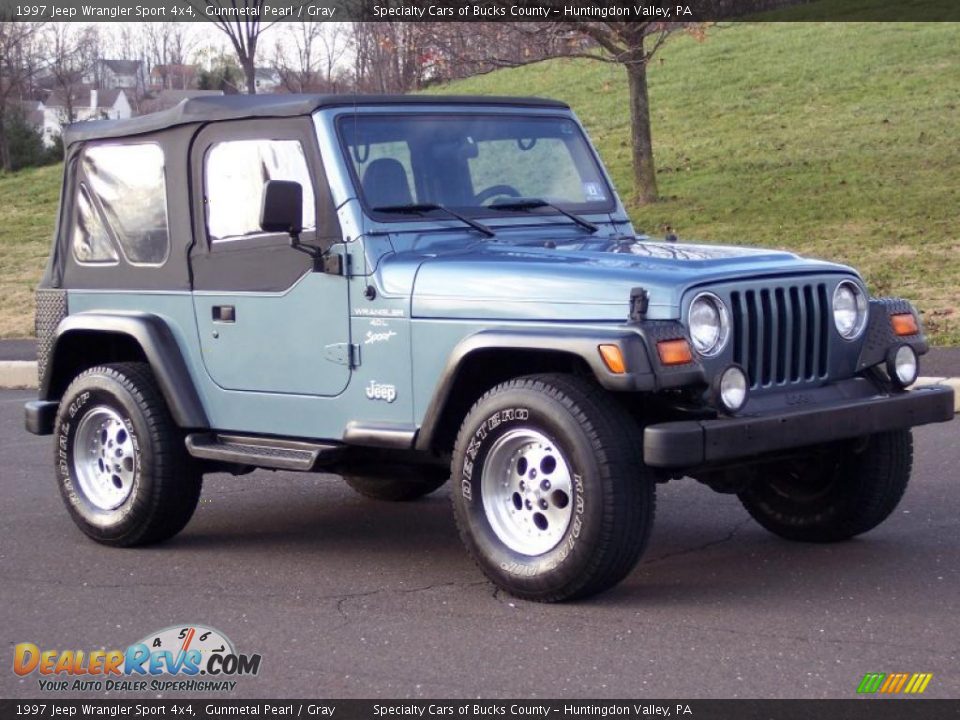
[
  {"x": 551, "y": 496},
  {"x": 835, "y": 494},
  {"x": 121, "y": 463}
]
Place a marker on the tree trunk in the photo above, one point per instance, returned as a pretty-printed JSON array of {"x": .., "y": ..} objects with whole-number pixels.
[
  {"x": 5, "y": 160},
  {"x": 644, "y": 170},
  {"x": 250, "y": 71}
]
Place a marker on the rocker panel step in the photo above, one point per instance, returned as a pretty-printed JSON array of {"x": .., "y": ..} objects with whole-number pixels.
[{"x": 261, "y": 452}]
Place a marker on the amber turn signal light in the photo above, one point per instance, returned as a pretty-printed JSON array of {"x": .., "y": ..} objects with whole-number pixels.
[
  {"x": 904, "y": 324},
  {"x": 613, "y": 359},
  {"x": 674, "y": 352}
]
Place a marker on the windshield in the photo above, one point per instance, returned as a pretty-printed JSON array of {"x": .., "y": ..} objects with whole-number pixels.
[{"x": 471, "y": 162}]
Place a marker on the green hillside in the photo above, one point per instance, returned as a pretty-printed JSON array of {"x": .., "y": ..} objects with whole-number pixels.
[
  {"x": 28, "y": 206},
  {"x": 835, "y": 140},
  {"x": 840, "y": 141}
]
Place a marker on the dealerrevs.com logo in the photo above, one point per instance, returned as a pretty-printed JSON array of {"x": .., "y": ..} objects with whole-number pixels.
[{"x": 187, "y": 658}]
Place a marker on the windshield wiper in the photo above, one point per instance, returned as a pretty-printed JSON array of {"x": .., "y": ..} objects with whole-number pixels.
[
  {"x": 523, "y": 203},
  {"x": 420, "y": 208}
]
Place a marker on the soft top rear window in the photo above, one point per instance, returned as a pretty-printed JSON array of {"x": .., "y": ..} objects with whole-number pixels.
[{"x": 125, "y": 192}]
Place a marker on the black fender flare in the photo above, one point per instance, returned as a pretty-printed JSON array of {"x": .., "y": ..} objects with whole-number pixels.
[
  {"x": 160, "y": 348},
  {"x": 583, "y": 344}
]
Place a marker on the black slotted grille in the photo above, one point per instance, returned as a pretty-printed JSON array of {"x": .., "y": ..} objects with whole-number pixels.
[{"x": 780, "y": 334}]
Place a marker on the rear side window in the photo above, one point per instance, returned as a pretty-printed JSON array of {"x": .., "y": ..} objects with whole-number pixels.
[
  {"x": 123, "y": 201},
  {"x": 91, "y": 244},
  {"x": 236, "y": 171}
]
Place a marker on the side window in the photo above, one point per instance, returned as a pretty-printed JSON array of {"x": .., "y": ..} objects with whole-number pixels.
[
  {"x": 91, "y": 244},
  {"x": 235, "y": 172},
  {"x": 125, "y": 185}
]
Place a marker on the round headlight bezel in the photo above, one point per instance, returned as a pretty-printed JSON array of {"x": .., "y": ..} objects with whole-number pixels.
[
  {"x": 861, "y": 306},
  {"x": 723, "y": 332}
]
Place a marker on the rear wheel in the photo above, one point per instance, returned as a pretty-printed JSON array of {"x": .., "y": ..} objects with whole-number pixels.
[
  {"x": 552, "y": 499},
  {"x": 121, "y": 464},
  {"x": 836, "y": 494}
]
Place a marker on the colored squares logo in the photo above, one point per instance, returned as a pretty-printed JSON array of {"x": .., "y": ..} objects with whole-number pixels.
[{"x": 894, "y": 683}]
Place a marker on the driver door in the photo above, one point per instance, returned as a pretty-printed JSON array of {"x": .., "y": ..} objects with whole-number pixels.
[{"x": 267, "y": 322}]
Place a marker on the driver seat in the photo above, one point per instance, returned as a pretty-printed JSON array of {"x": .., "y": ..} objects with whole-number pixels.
[{"x": 385, "y": 184}]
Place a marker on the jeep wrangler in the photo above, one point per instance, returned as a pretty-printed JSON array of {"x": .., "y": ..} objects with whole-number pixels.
[{"x": 403, "y": 289}]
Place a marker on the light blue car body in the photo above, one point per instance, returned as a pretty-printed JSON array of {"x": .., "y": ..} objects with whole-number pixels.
[
  {"x": 438, "y": 284},
  {"x": 322, "y": 358}
]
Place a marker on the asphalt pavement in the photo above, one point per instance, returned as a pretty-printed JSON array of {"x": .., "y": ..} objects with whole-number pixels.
[
  {"x": 18, "y": 349},
  {"x": 347, "y": 597}
]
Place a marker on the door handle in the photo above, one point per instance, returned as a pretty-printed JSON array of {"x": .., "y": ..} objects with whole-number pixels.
[{"x": 224, "y": 313}]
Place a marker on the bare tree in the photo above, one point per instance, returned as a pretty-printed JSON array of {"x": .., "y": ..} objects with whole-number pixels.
[
  {"x": 242, "y": 29},
  {"x": 20, "y": 61},
  {"x": 630, "y": 44},
  {"x": 74, "y": 51},
  {"x": 166, "y": 47},
  {"x": 633, "y": 44},
  {"x": 125, "y": 41},
  {"x": 297, "y": 59},
  {"x": 182, "y": 42},
  {"x": 335, "y": 40},
  {"x": 457, "y": 50},
  {"x": 391, "y": 56}
]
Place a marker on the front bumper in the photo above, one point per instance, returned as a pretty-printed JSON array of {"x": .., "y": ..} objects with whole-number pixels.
[
  {"x": 39, "y": 416},
  {"x": 693, "y": 443}
]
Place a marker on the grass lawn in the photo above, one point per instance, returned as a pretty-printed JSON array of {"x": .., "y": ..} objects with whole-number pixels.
[
  {"x": 839, "y": 141},
  {"x": 28, "y": 206}
]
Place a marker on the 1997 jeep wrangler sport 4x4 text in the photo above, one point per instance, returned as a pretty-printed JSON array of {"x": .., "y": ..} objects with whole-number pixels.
[{"x": 400, "y": 288}]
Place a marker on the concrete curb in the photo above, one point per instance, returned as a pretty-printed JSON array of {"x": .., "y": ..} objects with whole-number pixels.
[
  {"x": 947, "y": 381},
  {"x": 18, "y": 374},
  {"x": 22, "y": 375}
]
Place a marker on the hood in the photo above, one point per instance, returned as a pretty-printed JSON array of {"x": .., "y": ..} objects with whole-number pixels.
[{"x": 574, "y": 281}]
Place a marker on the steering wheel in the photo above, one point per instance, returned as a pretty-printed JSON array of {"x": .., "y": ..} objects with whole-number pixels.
[{"x": 493, "y": 191}]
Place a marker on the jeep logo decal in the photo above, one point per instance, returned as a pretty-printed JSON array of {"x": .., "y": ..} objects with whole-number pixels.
[{"x": 378, "y": 391}]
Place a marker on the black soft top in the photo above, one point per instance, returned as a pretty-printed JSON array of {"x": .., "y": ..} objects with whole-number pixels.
[{"x": 236, "y": 107}]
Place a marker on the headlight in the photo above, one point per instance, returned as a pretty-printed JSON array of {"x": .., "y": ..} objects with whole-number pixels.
[
  {"x": 730, "y": 389},
  {"x": 902, "y": 366},
  {"x": 849, "y": 309},
  {"x": 709, "y": 324}
]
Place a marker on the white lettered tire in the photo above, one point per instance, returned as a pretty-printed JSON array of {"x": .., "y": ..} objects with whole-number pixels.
[
  {"x": 550, "y": 493},
  {"x": 121, "y": 464}
]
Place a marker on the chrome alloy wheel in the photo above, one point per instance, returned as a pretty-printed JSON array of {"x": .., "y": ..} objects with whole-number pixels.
[
  {"x": 104, "y": 458},
  {"x": 527, "y": 492}
]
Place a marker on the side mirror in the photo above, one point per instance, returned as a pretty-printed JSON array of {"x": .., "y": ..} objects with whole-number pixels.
[{"x": 281, "y": 209}]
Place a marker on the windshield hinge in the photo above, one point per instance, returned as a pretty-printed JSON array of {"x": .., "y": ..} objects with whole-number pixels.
[
  {"x": 639, "y": 304},
  {"x": 343, "y": 354},
  {"x": 336, "y": 264}
]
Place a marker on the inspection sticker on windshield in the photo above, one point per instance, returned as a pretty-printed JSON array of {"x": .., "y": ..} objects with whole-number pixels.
[{"x": 593, "y": 191}]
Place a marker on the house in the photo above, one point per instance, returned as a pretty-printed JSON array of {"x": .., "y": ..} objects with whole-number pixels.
[
  {"x": 174, "y": 77},
  {"x": 82, "y": 103},
  {"x": 267, "y": 80},
  {"x": 125, "y": 74}
]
